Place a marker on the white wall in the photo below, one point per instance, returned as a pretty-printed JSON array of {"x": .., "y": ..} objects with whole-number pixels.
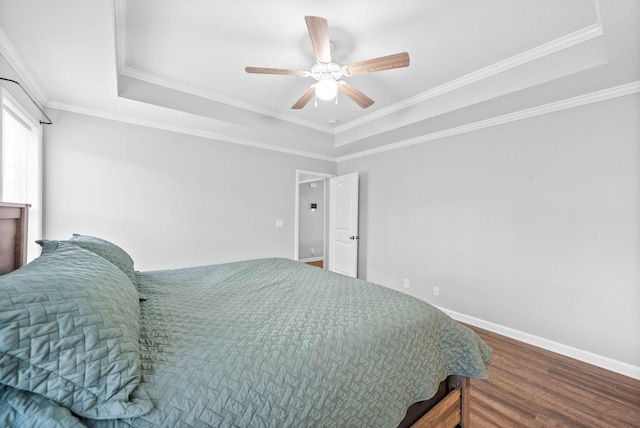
[
  {"x": 170, "y": 200},
  {"x": 532, "y": 225}
]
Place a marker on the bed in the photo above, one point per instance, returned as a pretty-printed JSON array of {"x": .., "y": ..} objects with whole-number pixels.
[{"x": 85, "y": 340}]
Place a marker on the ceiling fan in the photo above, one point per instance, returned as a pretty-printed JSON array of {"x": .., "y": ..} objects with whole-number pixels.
[{"x": 328, "y": 74}]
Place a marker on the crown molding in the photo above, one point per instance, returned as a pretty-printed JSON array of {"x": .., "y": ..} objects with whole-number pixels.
[
  {"x": 580, "y": 36},
  {"x": 185, "y": 130},
  {"x": 120, "y": 28},
  {"x": 15, "y": 61},
  {"x": 559, "y": 44},
  {"x": 593, "y": 97},
  {"x": 233, "y": 102}
]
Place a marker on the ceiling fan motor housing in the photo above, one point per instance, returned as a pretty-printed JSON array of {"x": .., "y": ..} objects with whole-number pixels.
[{"x": 324, "y": 70}]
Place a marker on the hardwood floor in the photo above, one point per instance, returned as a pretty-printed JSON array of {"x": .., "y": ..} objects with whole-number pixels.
[
  {"x": 317, "y": 263},
  {"x": 533, "y": 387}
]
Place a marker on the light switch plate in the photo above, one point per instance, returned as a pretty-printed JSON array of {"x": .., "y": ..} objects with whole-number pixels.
[{"x": 279, "y": 224}]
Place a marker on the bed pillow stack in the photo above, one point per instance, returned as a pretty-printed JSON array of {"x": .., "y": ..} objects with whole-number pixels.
[
  {"x": 104, "y": 249},
  {"x": 69, "y": 324}
]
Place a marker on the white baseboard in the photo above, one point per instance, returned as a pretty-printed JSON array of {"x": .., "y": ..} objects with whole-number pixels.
[
  {"x": 568, "y": 351},
  {"x": 311, "y": 259}
]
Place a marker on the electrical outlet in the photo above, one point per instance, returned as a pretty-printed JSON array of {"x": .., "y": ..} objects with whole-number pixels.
[
  {"x": 406, "y": 283},
  {"x": 436, "y": 291}
]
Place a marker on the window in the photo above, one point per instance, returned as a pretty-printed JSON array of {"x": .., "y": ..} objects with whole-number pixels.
[{"x": 20, "y": 165}]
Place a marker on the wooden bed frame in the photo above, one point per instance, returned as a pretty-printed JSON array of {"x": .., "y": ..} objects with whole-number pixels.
[
  {"x": 449, "y": 407},
  {"x": 13, "y": 236}
]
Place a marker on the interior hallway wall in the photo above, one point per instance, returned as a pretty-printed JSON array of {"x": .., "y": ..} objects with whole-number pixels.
[{"x": 311, "y": 222}]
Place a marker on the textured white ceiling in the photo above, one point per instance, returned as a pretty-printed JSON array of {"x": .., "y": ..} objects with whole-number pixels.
[{"x": 181, "y": 63}]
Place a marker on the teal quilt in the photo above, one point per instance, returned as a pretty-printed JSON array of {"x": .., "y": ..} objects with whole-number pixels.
[{"x": 277, "y": 343}]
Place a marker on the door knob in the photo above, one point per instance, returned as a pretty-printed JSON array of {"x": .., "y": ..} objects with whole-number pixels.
[{"x": 354, "y": 237}]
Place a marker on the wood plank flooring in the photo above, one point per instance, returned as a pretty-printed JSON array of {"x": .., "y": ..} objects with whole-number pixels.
[
  {"x": 533, "y": 387},
  {"x": 317, "y": 263}
]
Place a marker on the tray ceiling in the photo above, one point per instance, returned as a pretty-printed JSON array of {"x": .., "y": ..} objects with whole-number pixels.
[{"x": 180, "y": 65}]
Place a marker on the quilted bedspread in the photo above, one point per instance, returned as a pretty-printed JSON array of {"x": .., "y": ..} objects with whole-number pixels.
[{"x": 276, "y": 343}]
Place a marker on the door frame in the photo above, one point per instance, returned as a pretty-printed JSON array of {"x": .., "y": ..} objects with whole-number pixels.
[{"x": 302, "y": 177}]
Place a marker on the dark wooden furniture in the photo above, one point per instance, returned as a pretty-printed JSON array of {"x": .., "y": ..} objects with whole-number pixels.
[
  {"x": 13, "y": 236},
  {"x": 449, "y": 407}
]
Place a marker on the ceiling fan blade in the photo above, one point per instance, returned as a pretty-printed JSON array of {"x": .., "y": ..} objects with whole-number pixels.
[
  {"x": 305, "y": 98},
  {"x": 319, "y": 33},
  {"x": 262, "y": 70},
  {"x": 378, "y": 64},
  {"x": 356, "y": 96}
]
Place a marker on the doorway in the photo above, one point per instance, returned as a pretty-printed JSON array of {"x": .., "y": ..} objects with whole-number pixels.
[{"x": 311, "y": 217}]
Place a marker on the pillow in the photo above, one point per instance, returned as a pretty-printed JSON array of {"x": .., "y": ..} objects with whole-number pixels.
[
  {"x": 69, "y": 325},
  {"x": 105, "y": 249},
  {"x": 24, "y": 409}
]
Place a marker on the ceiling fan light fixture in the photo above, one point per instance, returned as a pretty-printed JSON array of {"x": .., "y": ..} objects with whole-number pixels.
[
  {"x": 326, "y": 89},
  {"x": 328, "y": 74}
]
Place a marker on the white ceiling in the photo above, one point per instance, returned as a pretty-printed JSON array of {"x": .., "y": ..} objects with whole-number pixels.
[{"x": 179, "y": 65}]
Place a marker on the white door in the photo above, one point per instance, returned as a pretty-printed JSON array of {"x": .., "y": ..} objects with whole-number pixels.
[{"x": 343, "y": 224}]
